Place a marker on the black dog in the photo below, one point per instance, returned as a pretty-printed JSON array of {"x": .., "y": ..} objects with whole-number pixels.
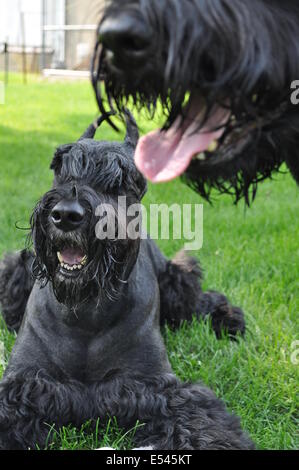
[
  {"x": 223, "y": 71},
  {"x": 90, "y": 345}
]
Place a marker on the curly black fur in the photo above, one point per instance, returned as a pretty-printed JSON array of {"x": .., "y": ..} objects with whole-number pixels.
[
  {"x": 182, "y": 297},
  {"x": 90, "y": 345},
  {"x": 242, "y": 55},
  {"x": 16, "y": 283},
  {"x": 174, "y": 416}
]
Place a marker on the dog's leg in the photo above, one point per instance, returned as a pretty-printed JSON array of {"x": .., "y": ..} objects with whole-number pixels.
[
  {"x": 31, "y": 404},
  {"x": 16, "y": 284},
  {"x": 171, "y": 415},
  {"x": 196, "y": 420},
  {"x": 190, "y": 417},
  {"x": 182, "y": 297}
]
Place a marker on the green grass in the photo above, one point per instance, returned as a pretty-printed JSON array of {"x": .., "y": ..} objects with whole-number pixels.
[{"x": 250, "y": 255}]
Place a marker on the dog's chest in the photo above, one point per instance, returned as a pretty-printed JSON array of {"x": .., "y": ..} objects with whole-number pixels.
[{"x": 89, "y": 345}]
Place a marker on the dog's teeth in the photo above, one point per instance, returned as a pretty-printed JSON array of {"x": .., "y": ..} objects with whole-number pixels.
[
  {"x": 69, "y": 267},
  {"x": 213, "y": 146}
]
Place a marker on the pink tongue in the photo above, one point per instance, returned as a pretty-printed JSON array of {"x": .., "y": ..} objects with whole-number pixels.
[
  {"x": 72, "y": 256},
  {"x": 162, "y": 156}
]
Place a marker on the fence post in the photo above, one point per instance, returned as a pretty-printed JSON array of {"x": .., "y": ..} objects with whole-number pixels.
[
  {"x": 6, "y": 63},
  {"x": 23, "y": 35},
  {"x": 43, "y": 34}
]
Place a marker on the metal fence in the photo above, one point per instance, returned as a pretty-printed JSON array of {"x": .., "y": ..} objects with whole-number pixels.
[{"x": 66, "y": 39}]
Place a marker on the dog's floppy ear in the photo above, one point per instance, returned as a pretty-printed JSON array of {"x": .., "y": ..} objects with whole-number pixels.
[
  {"x": 57, "y": 159},
  {"x": 132, "y": 135}
]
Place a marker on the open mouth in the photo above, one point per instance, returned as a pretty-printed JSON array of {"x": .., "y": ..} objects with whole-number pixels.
[
  {"x": 163, "y": 156},
  {"x": 72, "y": 259}
]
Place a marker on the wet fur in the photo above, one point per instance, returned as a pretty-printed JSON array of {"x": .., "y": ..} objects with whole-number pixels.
[{"x": 226, "y": 51}]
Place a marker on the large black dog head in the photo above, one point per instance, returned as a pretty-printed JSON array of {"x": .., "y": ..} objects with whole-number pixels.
[
  {"x": 89, "y": 175},
  {"x": 222, "y": 70}
]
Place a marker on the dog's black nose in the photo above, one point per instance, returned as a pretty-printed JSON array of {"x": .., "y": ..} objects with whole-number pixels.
[
  {"x": 126, "y": 37},
  {"x": 68, "y": 215}
]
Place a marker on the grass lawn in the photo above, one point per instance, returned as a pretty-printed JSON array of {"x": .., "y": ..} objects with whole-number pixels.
[{"x": 250, "y": 255}]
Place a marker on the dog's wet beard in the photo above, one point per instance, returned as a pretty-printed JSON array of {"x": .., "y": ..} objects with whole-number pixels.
[
  {"x": 80, "y": 267},
  {"x": 231, "y": 54}
]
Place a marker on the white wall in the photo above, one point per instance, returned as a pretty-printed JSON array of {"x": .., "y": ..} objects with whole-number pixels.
[
  {"x": 10, "y": 21},
  {"x": 55, "y": 15},
  {"x": 10, "y": 24}
]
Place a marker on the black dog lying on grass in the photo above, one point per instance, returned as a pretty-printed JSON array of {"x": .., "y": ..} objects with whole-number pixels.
[
  {"x": 89, "y": 345},
  {"x": 234, "y": 60}
]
